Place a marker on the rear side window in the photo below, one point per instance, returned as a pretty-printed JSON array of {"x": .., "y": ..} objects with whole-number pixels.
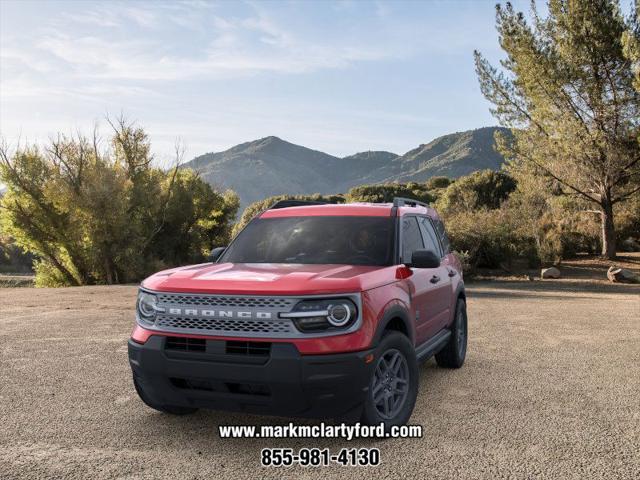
[
  {"x": 411, "y": 238},
  {"x": 429, "y": 235},
  {"x": 443, "y": 236}
]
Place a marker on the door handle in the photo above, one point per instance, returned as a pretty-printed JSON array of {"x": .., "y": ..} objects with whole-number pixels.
[{"x": 435, "y": 279}]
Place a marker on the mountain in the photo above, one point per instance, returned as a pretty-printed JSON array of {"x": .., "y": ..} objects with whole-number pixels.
[
  {"x": 272, "y": 166},
  {"x": 452, "y": 156}
]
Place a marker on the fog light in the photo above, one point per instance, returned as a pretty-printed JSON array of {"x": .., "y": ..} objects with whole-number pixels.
[{"x": 312, "y": 323}]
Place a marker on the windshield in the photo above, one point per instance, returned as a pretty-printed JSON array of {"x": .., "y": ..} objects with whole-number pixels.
[{"x": 313, "y": 240}]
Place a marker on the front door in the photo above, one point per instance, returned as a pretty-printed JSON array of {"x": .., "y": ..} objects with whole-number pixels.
[
  {"x": 439, "y": 302},
  {"x": 424, "y": 291}
]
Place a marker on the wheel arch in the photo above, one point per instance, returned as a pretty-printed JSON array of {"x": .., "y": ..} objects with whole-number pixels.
[{"x": 395, "y": 318}]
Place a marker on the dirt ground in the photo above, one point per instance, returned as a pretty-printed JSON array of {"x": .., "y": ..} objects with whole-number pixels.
[{"x": 550, "y": 389}]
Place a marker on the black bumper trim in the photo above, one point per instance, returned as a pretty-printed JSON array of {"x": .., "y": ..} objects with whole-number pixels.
[{"x": 285, "y": 383}]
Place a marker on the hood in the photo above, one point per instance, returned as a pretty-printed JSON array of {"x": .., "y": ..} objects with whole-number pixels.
[{"x": 267, "y": 278}]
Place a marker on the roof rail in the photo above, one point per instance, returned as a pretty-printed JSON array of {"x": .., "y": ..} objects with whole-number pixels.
[
  {"x": 408, "y": 202},
  {"x": 295, "y": 203}
]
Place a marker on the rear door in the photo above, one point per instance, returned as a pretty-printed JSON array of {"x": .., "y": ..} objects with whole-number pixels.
[
  {"x": 419, "y": 283},
  {"x": 439, "y": 302}
]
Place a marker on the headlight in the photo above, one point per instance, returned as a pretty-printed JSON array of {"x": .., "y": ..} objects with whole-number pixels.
[
  {"x": 319, "y": 315},
  {"x": 147, "y": 306}
]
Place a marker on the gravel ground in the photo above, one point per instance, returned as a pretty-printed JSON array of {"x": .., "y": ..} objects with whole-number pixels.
[{"x": 551, "y": 389}]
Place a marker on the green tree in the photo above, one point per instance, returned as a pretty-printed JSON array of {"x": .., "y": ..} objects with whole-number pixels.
[
  {"x": 435, "y": 183},
  {"x": 384, "y": 193},
  {"x": 107, "y": 216},
  {"x": 261, "y": 205},
  {"x": 566, "y": 89},
  {"x": 481, "y": 189},
  {"x": 631, "y": 42}
]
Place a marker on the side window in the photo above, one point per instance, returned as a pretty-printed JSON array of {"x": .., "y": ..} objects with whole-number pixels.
[
  {"x": 429, "y": 235},
  {"x": 443, "y": 236},
  {"x": 411, "y": 238}
]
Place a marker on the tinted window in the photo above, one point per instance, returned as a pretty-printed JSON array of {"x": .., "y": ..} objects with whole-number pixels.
[
  {"x": 443, "y": 236},
  {"x": 429, "y": 236},
  {"x": 411, "y": 238},
  {"x": 315, "y": 240}
]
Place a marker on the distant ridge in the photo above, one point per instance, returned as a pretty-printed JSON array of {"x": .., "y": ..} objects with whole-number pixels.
[{"x": 272, "y": 166}]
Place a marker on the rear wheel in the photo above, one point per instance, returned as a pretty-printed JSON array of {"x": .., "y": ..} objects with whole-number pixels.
[
  {"x": 394, "y": 382},
  {"x": 170, "y": 409},
  {"x": 454, "y": 353}
]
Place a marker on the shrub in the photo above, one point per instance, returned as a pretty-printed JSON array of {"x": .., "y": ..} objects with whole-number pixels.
[
  {"x": 256, "y": 207},
  {"x": 92, "y": 216},
  {"x": 435, "y": 183},
  {"x": 385, "y": 193},
  {"x": 482, "y": 189},
  {"x": 489, "y": 239}
]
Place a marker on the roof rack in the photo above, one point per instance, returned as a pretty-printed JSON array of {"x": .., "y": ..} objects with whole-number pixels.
[
  {"x": 295, "y": 203},
  {"x": 408, "y": 202}
]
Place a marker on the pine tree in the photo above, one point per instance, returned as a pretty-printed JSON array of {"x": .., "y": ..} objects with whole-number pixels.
[{"x": 566, "y": 89}]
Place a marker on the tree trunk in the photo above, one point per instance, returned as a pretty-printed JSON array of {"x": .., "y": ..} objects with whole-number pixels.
[{"x": 608, "y": 230}]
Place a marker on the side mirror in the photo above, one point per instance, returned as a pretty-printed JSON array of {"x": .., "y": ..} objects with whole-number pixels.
[
  {"x": 215, "y": 254},
  {"x": 424, "y": 259}
]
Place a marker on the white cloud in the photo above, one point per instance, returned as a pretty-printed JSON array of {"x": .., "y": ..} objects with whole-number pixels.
[
  {"x": 249, "y": 45},
  {"x": 176, "y": 64}
]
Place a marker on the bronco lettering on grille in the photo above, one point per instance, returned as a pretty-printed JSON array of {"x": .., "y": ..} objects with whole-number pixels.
[{"x": 194, "y": 312}]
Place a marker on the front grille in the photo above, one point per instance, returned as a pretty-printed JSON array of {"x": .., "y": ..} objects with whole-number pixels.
[
  {"x": 225, "y": 326},
  {"x": 220, "y": 301},
  {"x": 186, "y": 344},
  {"x": 233, "y": 315},
  {"x": 248, "y": 348}
]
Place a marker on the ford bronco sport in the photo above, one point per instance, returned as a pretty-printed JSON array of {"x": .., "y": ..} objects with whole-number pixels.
[{"x": 317, "y": 310}]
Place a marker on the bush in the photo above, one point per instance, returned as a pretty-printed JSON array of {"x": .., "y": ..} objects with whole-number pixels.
[
  {"x": 435, "y": 183},
  {"x": 489, "y": 239},
  {"x": 482, "y": 189},
  {"x": 92, "y": 216},
  {"x": 256, "y": 207},
  {"x": 13, "y": 259},
  {"x": 385, "y": 193}
]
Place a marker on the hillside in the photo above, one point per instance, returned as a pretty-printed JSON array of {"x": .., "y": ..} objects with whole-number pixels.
[
  {"x": 452, "y": 156},
  {"x": 269, "y": 166},
  {"x": 272, "y": 166}
]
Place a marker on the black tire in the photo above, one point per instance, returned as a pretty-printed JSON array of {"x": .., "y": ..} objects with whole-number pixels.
[
  {"x": 170, "y": 409},
  {"x": 454, "y": 353},
  {"x": 398, "y": 347}
]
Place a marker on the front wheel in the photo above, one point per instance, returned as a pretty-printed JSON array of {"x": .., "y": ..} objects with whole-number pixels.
[
  {"x": 393, "y": 387},
  {"x": 454, "y": 353}
]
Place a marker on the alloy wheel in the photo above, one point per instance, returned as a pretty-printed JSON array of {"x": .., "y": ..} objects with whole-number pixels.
[{"x": 390, "y": 384}]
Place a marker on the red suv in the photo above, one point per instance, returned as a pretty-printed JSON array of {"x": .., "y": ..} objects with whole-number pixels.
[{"x": 316, "y": 310}]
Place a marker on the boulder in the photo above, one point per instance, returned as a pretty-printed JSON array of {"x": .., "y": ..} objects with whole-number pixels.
[
  {"x": 630, "y": 245},
  {"x": 621, "y": 275},
  {"x": 551, "y": 272}
]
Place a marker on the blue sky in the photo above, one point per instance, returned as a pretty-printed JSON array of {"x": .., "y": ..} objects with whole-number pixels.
[{"x": 340, "y": 76}]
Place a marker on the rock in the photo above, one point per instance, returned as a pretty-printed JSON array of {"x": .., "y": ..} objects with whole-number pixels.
[
  {"x": 551, "y": 272},
  {"x": 630, "y": 245},
  {"x": 621, "y": 275}
]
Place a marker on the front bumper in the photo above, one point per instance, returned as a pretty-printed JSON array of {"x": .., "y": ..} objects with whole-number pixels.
[{"x": 282, "y": 382}]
